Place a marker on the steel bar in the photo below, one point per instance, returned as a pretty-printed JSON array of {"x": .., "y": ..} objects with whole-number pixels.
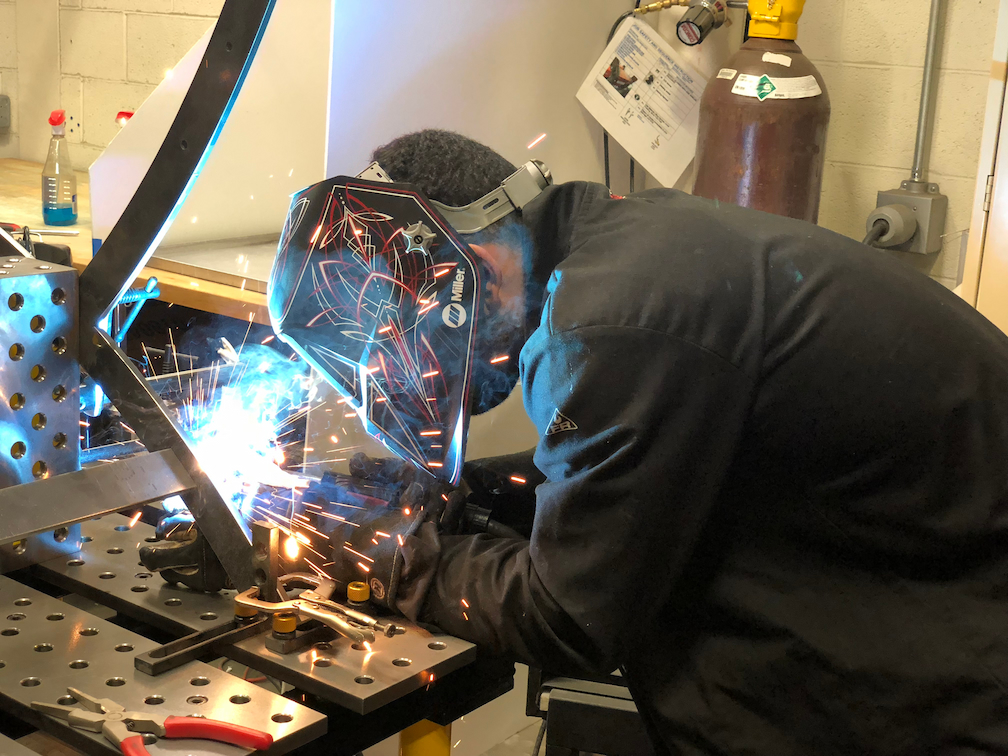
[
  {"x": 78, "y": 496},
  {"x": 133, "y": 240},
  {"x": 929, "y": 86},
  {"x": 108, "y": 452},
  {"x": 214, "y": 641}
]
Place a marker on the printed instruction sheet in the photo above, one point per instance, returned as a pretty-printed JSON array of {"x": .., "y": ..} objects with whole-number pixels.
[{"x": 648, "y": 98}]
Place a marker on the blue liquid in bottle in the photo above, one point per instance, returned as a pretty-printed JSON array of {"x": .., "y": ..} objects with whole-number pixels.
[{"x": 59, "y": 184}]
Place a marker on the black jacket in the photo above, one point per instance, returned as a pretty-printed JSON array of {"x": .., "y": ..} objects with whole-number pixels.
[{"x": 777, "y": 486}]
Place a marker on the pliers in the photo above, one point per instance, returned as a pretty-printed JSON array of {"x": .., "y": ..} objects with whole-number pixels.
[{"x": 119, "y": 726}]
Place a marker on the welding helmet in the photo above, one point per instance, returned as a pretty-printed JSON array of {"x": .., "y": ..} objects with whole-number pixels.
[{"x": 374, "y": 286}]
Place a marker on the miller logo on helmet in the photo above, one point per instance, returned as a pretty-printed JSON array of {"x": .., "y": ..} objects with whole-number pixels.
[{"x": 453, "y": 315}]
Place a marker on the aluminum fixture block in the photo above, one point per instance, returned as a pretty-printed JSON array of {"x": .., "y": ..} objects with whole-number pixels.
[
  {"x": 928, "y": 206},
  {"x": 39, "y": 373},
  {"x": 47, "y": 645},
  {"x": 39, "y": 384}
]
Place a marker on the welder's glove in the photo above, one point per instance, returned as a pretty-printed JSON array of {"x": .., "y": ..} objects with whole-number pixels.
[{"x": 393, "y": 547}]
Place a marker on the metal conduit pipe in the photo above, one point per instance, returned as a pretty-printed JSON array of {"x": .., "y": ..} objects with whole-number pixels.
[{"x": 929, "y": 85}]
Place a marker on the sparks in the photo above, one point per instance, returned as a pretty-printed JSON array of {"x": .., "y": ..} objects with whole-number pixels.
[
  {"x": 380, "y": 534},
  {"x": 315, "y": 236},
  {"x": 334, "y": 439},
  {"x": 430, "y": 433},
  {"x": 399, "y": 538},
  {"x": 536, "y": 141},
  {"x": 135, "y": 520},
  {"x": 518, "y": 479},
  {"x": 358, "y": 554},
  {"x": 406, "y": 511},
  {"x": 465, "y": 603},
  {"x": 363, "y": 566},
  {"x": 431, "y": 374},
  {"x": 268, "y": 339},
  {"x": 435, "y": 464},
  {"x": 465, "y": 616},
  {"x": 497, "y": 360},
  {"x": 386, "y": 329}
]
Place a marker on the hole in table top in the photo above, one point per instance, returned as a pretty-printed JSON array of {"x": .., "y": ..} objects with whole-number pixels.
[
  {"x": 149, "y": 738},
  {"x": 86, "y": 539},
  {"x": 55, "y": 616},
  {"x": 37, "y": 323},
  {"x": 107, "y": 575},
  {"x": 78, "y": 664},
  {"x": 196, "y": 700},
  {"x": 40, "y": 469},
  {"x": 124, "y": 648},
  {"x": 322, "y": 661},
  {"x": 58, "y": 296},
  {"x": 115, "y": 682},
  {"x": 9, "y": 632},
  {"x": 66, "y": 700},
  {"x": 16, "y": 617},
  {"x": 239, "y": 699},
  {"x": 39, "y": 421},
  {"x": 15, "y": 301},
  {"x": 89, "y": 631},
  {"x": 75, "y": 563},
  {"x": 142, "y": 575},
  {"x": 154, "y": 700},
  {"x": 140, "y": 588},
  {"x": 59, "y": 345},
  {"x": 61, "y": 534},
  {"x": 173, "y": 602},
  {"x": 121, "y": 528},
  {"x": 37, "y": 373},
  {"x": 282, "y": 718},
  {"x": 114, "y": 550},
  {"x": 59, "y": 393},
  {"x": 18, "y": 448},
  {"x": 358, "y": 647},
  {"x": 364, "y": 680},
  {"x": 208, "y": 616},
  {"x": 199, "y": 681},
  {"x": 402, "y": 662},
  {"x": 150, "y": 539},
  {"x": 16, "y": 352},
  {"x": 31, "y": 682},
  {"x": 437, "y": 646},
  {"x": 43, "y": 648},
  {"x": 22, "y": 602},
  {"x": 323, "y": 646}
]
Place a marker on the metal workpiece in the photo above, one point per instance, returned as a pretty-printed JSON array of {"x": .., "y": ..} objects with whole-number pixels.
[
  {"x": 39, "y": 373},
  {"x": 356, "y": 678},
  {"x": 61, "y": 501},
  {"x": 9, "y": 747},
  {"x": 47, "y": 646},
  {"x": 158, "y": 429},
  {"x": 40, "y": 547}
]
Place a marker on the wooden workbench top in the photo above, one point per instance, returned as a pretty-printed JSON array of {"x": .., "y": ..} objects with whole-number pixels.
[{"x": 21, "y": 203}]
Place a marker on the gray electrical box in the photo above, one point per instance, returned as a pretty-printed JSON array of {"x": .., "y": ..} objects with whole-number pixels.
[
  {"x": 928, "y": 206},
  {"x": 5, "y": 116}
]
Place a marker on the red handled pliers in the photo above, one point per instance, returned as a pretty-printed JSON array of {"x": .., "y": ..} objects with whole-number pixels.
[{"x": 122, "y": 727}]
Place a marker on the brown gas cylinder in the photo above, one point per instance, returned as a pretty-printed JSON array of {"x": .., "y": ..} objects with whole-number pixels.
[{"x": 763, "y": 119}]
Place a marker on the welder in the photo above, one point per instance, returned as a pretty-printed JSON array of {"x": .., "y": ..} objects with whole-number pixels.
[{"x": 771, "y": 484}]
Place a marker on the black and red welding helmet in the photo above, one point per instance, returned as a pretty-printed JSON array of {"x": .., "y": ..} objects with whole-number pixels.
[{"x": 376, "y": 289}]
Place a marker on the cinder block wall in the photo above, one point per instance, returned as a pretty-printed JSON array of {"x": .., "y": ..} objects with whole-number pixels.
[
  {"x": 9, "y": 142},
  {"x": 112, "y": 55},
  {"x": 871, "y": 54}
]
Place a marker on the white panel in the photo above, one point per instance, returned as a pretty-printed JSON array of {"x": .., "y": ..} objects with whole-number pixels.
[
  {"x": 272, "y": 144},
  {"x": 502, "y": 73}
]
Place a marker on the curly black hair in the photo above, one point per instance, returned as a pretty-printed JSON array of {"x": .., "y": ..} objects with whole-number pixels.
[{"x": 448, "y": 167}]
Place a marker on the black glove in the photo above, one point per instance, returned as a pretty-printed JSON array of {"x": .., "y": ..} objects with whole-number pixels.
[{"x": 390, "y": 536}]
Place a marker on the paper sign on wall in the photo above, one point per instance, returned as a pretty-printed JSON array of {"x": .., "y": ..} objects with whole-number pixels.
[{"x": 647, "y": 97}]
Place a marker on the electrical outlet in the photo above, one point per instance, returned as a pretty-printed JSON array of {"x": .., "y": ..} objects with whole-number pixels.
[
  {"x": 929, "y": 207},
  {"x": 5, "y": 113}
]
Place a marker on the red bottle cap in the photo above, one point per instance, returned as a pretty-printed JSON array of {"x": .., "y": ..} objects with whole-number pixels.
[{"x": 57, "y": 117}]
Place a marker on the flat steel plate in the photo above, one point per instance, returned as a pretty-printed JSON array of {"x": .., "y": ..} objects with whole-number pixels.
[
  {"x": 108, "y": 570},
  {"x": 47, "y": 645},
  {"x": 356, "y": 678}
]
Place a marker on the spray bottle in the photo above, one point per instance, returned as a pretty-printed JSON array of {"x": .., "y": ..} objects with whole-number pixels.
[{"x": 59, "y": 185}]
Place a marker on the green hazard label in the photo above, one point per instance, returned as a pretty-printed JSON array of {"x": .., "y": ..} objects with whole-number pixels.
[{"x": 764, "y": 88}]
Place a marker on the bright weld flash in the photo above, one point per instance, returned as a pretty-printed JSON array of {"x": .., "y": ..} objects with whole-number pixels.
[
  {"x": 291, "y": 548},
  {"x": 536, "y": 141},
  {"x": 502, "y": 358}
]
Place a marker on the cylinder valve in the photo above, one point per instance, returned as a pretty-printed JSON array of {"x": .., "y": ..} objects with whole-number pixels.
[{"x": 700, "y": 19}]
